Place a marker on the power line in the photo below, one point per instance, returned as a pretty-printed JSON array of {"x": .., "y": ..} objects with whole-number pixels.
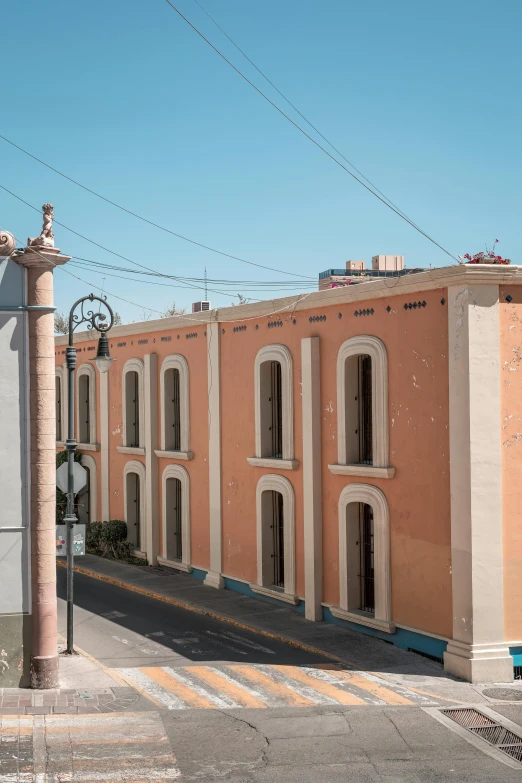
[
  {"x": 307, "y": 135},
  {"x": 108, "y": 250},
  {"x": 294, "y": 107},
  {"x": 142, "y": 307},
  {"x": 145, "y": 220},
  {"x": 247, "y": 284},
  {"x": 165, "y": 285}
]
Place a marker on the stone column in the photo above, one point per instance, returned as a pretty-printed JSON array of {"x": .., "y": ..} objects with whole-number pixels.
[
  {"x": 214, "y": 577},
  {"x": 40, "y": 262},
  {"x": 477, "y": 651},
  {"x": 152, "y": 523},
  {"x": 312, "y": 487}
]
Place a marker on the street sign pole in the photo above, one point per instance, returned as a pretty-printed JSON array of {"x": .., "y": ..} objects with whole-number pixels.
[{"x": 70, "y": 516}]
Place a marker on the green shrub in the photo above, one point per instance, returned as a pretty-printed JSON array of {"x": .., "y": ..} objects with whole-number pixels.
[
  {"x": 109, "y": 539},
  {"x": 93, "y": 537},
  {"x": 114, "y": 532}
]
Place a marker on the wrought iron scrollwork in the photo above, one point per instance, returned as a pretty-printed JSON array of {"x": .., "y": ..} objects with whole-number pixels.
[{"x": 100, "y": 321}]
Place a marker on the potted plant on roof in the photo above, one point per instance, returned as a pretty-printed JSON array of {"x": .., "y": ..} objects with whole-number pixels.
[{"x": 485, "y": 257}]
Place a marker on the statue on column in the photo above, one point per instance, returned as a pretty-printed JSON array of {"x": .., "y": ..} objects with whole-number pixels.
[{"x": 46, "y": 238}]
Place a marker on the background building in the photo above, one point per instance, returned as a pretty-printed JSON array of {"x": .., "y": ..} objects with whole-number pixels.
[
  {"x": 354, "y": 454},
  {"x": 356, "y": 272}
]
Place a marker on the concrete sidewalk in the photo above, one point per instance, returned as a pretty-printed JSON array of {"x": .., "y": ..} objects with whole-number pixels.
[
  {"x": 360, "y": 651},
  {"x": 85, "y": 687}
]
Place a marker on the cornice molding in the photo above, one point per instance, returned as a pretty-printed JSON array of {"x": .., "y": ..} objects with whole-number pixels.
[{"x": 472, "y": 274}]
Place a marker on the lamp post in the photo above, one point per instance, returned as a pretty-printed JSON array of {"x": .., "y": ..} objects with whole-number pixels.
[{"x": 101, "y": 324}]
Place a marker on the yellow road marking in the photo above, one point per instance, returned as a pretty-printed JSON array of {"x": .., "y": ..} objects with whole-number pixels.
[
  {"x": 387, "y": 695},
  {"x": 292, "y": 698},
  {"x": 225, "y": 686},
  {"x": 319, "y": 685},
  {"x": 180, "y": 690}
]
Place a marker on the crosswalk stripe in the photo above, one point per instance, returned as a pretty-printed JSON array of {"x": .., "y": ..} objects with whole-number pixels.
[
  {"x": 193, "y": 689},
  {"x": 403, "y": 691},
  {"x": 309, "y": 692},
  {"x": 172, "y": 685},
  {"x": 289, "y": 695},
  {"x": 327, "y": 688},
  {"x": 326, "y": 676},
  {"x": 221, "y": 682},
  {"x": 152, "y": 687},
  {"x": 387, "y": 695}
]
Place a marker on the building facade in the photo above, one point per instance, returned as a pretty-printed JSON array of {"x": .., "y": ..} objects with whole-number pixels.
[{"x": 353, "y": 453}]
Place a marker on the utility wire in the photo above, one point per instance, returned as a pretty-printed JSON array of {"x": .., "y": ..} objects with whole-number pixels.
[
  {"x": 170, "y": 285},
  {"x": 307, "y": 135},
  {"x": 294, "y": 107},
  {"x": 140, "y": 217},
  {"x": 243, "y": 284},
  {"x": 113, "y": 252},
  {"x": 142, "y": 307}
]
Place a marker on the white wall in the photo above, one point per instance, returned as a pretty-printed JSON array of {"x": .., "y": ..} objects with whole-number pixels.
[{"x": 14, "y": 522}]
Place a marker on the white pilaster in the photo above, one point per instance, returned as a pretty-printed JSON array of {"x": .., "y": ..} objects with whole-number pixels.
[
  {"x": 214, "y": 578},
  {"x": 477, "y": 652},
  {"x": 312, "y": 495},
  {"x": 104, "y": 446},
  {"x": 152, "y": 522}
]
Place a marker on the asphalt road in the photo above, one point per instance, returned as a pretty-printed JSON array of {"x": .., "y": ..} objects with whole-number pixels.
[
  {"x": 386, "y": 738},
  {"x": 125, "y": 629}
]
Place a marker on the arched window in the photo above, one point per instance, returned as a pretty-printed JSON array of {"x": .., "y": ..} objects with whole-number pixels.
[
  {"x": 87, "y": 498},
  {"x": 133, "y": 404},
  {"x": 134, "y": 503},
  {"x": 275, "y": 512},
  {"x": 362, "y": 408},
  {"x": 364, "y": 557},
  {"x": 61, "y": 403},
  {"x": 175, "y": 413},
  {"x": 176, "y": 518},
  {"x": 274, "y": 408},
  {"x": 86, "y": 405}
]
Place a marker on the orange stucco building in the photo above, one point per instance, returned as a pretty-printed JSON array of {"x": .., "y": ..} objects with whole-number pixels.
[{"x": 355, "y": 453}]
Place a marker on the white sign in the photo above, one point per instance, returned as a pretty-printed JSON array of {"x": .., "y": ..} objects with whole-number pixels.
[
  {"x": 79, "y": 477},
  {"x": 78, "y": 540}
]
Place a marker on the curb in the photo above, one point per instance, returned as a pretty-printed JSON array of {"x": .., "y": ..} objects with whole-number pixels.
[{"x": 244, "y": 626}]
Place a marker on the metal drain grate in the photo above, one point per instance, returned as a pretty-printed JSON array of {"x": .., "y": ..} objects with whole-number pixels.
[
  {"x": 489, "y": 730},
  {"x": 469, "y": 718}
]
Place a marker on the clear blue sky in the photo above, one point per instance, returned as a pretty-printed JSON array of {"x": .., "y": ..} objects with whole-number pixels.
[{"x": 122, "y": 95}]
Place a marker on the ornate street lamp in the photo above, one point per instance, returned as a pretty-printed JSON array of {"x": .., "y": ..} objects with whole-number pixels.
[{"x": 101, "y": 323}]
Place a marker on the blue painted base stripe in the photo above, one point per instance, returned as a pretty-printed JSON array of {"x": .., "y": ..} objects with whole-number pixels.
[{"x": 406, "y": 640}]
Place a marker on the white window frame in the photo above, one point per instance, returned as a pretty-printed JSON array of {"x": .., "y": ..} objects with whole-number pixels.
[
  {"x": 177, "y": 472},
  {"x": 61, "y": 373},
  {"x": 134, "y": 365},
  {"x": 176, "y": 362},
  {"x": 90, "y": 463},
  {"x": 374, "y": 347},
  {"x": 281, "y": 354},
  {"x": 277, "y": 483},
  {"x": 87, "y": 369},
  {"x": 135, "y": 466},
  {"x": 374, "y": 497}
]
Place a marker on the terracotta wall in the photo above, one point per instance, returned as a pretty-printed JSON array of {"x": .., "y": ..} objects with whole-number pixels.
[
  {"x": 511, "y": 439},
  {"x": 418, "y": 495}
]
